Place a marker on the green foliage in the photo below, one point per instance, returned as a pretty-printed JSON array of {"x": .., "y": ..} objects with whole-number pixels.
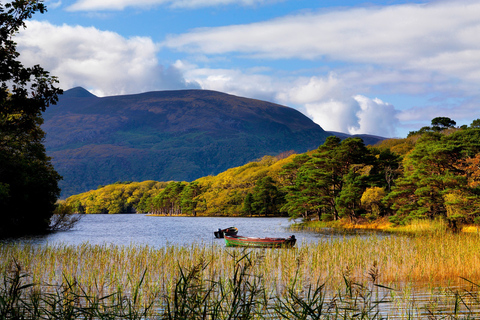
[
  {"x": 438, "y": 178},
  {"x": 28, "y": 181},
  {"x": 435, "y": 180},
  {"x": 441, "y": 123},
  {"x": 266, "y": 198},
  {"x": 331, "y": 181},
  {"x": 475, "y": 124},
  {"x": 438, "y": 124}
]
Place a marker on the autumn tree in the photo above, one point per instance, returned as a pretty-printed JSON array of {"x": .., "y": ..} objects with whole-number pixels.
[{"x": 371, "y": 201}]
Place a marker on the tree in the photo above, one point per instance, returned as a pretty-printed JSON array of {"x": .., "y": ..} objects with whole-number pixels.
[
  {"x": 28, "y": 181},
  {"x": 475, "y": 124},
  {"x": 372, "y": 202},
  {"x": 329, "y": 183},
  {"x": 248, "y": 204},
  {"x": 349, "y": 198},
  {"x": 266, "y": 197},
  {"x": 439, "y": 179},
  {"x": 441, "y": 123},
  {"x": 437, "y": 124},
  {"x": 189, "y": 198}
]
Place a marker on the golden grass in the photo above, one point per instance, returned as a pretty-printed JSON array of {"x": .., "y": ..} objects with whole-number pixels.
[
  {"x": 425, "y": 260},
  {"x": 418, "y": 226}
]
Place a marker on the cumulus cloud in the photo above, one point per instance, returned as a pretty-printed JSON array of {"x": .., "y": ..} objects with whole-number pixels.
[
  {"x": 326, "y": 99},
  {"x": 95, "y": 5},
  {"x": 331, "y": 103},
  {"x": 376, "y": 117},
  {"x": 102, "y": 61},
  {"x": 355, "y": 115},
  {"x": 335, "y": 115}
]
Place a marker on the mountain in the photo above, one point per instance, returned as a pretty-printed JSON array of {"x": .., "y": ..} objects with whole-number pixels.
[
  {"x": 368, "y": 139},
  {"x": 166, "y": 135}
]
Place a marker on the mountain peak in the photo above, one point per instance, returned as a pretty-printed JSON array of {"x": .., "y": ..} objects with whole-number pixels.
[
  {"x": 78, "y": 92},
  {"x": 166, "y": 135}
]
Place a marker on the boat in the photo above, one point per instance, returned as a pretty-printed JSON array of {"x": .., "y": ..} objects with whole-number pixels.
[
  {"x": 241, "y": 241},
  {"x": 228, "y": 231}
]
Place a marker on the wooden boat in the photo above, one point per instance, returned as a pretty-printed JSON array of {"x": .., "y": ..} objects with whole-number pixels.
[
  {"x": 228, "y": 231},
  {"x": 240, "y": 241}
]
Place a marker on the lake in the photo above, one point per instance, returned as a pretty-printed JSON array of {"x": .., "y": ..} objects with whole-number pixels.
[{"x": 140, "y": 229}]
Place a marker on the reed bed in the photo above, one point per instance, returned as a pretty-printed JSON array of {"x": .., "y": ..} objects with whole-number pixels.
[
  {"x": 400, "y": 262},
  {"x": 436, "y": 259}
]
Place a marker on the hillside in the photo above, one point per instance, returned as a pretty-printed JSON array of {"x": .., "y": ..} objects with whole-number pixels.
[{"x": 167, "y": 135}]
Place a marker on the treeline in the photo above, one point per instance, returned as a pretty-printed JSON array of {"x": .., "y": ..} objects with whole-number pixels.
[
  {"x": 430, "y": 174},
  {"x": 120, "y": 197}
]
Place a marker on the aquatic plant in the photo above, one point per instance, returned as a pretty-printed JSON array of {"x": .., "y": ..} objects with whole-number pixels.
[{"x": 332, "y": 275}]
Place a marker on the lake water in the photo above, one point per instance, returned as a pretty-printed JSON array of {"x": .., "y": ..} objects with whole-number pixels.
[{"x": 127, "y": 229}]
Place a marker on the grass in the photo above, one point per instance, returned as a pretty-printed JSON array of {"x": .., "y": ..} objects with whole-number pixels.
[
  {"x": 338, "y": 275},
  {"x": 415, "y": 227}
]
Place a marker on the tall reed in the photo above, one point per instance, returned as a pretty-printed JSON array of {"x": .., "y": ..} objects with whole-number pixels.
[{"x": 101, "y": 271}]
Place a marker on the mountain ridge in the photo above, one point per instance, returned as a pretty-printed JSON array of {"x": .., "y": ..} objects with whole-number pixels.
[{"x": 166, "y": 135}]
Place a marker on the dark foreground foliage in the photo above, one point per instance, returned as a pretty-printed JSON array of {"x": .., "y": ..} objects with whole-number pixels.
[{"x": 28, "y": 181}]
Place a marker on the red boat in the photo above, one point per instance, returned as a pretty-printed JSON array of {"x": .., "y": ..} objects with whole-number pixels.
[{"x": 240, "y": 241}]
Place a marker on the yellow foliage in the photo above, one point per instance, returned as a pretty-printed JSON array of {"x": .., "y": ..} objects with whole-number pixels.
[
  {"x": 455, "y": 204},
  {"x": 224, "y": 193},
  {"x": 371, "y": 200}
]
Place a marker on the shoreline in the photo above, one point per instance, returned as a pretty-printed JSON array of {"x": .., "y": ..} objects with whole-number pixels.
[{"x": 419, "y": 226}]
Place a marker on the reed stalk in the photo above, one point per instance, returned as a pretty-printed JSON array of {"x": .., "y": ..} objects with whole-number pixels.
[{"x": 306, "y": 279}]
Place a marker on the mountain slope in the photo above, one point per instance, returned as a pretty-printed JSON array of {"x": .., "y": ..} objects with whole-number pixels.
[{"x": 166, "y": 135}]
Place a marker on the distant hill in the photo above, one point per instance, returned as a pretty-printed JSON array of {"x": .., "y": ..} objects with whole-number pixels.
[
  {"x": 368, "y": 139},
  {"x": 166, "y": 135}
]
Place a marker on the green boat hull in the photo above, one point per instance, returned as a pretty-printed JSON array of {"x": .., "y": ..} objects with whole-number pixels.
[{"x": 239, "y": 241}]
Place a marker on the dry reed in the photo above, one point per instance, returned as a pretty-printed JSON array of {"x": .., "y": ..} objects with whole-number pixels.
[{"x": 429, "y": 259}]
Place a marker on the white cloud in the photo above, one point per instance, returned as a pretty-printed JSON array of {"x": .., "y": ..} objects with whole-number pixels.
[
  {"x": 95, "y": 5},
  {"x": 440, "y": 37},
  {"x": 356, "y": 115},
  {"x": 231, "y": 81},
  {"x": 401, "y": 50},
  {"x": 335, "y": 115},
  {"x": 102, "y": 61},
  {"x": 376, "y": 117},
  {"x": 51, "y": 4},
  {"x": 327, "y": 100},
  {"x": 308, "y": 90}
]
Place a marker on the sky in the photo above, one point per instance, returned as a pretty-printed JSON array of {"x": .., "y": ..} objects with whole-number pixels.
[{"x": 379, "y": 67}]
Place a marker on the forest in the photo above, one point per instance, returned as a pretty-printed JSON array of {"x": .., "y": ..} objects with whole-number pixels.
[{"x": 433, "y": 173}]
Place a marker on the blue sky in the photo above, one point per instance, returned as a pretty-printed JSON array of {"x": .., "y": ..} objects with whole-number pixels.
[{"x": 376, "y": 67}]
